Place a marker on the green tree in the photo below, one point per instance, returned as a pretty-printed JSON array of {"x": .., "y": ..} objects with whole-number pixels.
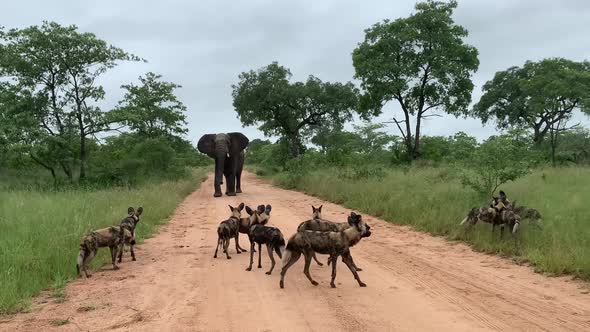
[
  {"x": 62, "y": 65},
  {"x": 496, "y": 161},
  {"x": 539, "y": 96},
  {"x": 267, "y": 97},
  {"x": 152, "y": 109},
  {"x": 421, "y": 62}
]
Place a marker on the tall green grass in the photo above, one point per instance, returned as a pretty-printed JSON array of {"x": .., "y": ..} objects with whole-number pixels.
[
  {"x": 433, "y": 200},
  {"x": 40, "y": 231}
]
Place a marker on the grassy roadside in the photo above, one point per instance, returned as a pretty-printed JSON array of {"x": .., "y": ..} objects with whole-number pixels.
[
  {"x": 40, "y": 231},
  {"x": 433, "y": 200}
]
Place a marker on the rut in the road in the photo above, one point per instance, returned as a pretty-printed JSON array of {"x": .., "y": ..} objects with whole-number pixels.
[{"x": 415, "y": 283}]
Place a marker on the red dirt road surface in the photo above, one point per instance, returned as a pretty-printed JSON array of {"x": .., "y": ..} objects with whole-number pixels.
[{"x": 415, "y": 283}]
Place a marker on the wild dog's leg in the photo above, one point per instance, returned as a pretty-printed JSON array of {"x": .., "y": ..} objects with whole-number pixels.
[
  {"x": 260, "y": 255},
  {"x": 272, "y": 259},
  {"x": 114, "y": 256},
  {"x": 317, "y": 261},
  {"x": 237, "y": 245},
  {"x": 333, "y": 259},
  {"x": 306, "y": 268},
  {"x": 290, "y": 258},
  {"x": 121, "y": 247},
  {"x": 252, "y": 244},
  {"x": 354, "y": 264},
  {"x": 501, "y": 231},
  {"x": 219, "y": 243},
  {"x": 347, "y": 260},
  {"x": 89, "y": 257},
  {"x": 132, "y": 252},
  {"x": 226, "y": 247},
  {"x": 80, "y": 261}
]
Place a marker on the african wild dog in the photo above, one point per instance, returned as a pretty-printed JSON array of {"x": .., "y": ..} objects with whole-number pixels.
[
  {"x": 497, "y": 215},
  {"x": 323, "y": 225},
  {"x": 329, "y": 243},
  {"x": 228, "y": 229},
  {"x": 244, "y": 226},
  {"x": 130, "y": 223},
  {"x": 111, "y": 237},
  {"x": 262, "y": 234},
  {"x": 531, "y": 214}
]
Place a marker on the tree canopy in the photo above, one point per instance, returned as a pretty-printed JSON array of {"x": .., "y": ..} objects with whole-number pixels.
[
  {"x": 59, "y": 66},
  {"x": 421, "y": 62},
  {"x": 267, "y": 97},
  {"x": 152, "y": 109},
  {"x": 537, "y": 96}
]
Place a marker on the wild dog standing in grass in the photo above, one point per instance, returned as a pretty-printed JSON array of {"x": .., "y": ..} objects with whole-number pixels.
[
  {"x": 111, "y": 237},
  {"x": 329, "y": 243},
  {"x": 496, "y": 215},
  {"x": 228, "y": 229},
  {"x": 130, "y": 223},
  {"x": 323, "y": 225},
  {"x": 262, "y": 234}
]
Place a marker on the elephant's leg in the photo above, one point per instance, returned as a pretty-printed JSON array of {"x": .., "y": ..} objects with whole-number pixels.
[
  {"x": 229, "y": 172},
  {"x": 218, "y": 178},
  {"x": 239, "y": 173},
  {"x": 238, "y": 183}
]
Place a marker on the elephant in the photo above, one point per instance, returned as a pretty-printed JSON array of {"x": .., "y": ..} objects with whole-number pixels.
[{"x": 228, "y": 152}]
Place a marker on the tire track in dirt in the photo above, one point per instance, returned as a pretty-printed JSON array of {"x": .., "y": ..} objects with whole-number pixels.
[{"x": 415, "y": 283}]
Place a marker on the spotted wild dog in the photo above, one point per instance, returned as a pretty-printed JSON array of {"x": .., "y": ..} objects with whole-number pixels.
[
  {"x": 228, "y": 229},
  {"x": 329, "y": 243},
  {"x": 262, "y": 234},
  {"x": 323, "y": 225},
  {"x": 130, "y": 223},
  {"x": 244, "y": 226},
  {"x": 111, "y": 237},
  {"x": 496, "y": 215},
  {"x": 530, "y": 214}
]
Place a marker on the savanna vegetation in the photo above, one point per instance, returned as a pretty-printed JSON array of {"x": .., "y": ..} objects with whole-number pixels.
[
  {"x": 67, "y": 166},
  {"x": 65, "y": 162},
  {"x": 422, "y": 65}
]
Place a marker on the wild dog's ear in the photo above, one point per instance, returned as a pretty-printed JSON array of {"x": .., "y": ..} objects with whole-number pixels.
[
  {"x": 130, "y": 210},
  {"x": 241, "y": 206},
  {"x": 320, "y": 208},
  {"x": 260, "y": 208},
  {"x": 268, "y": 208},
  {"x": 249, "y": 210},
  {"x": 313, "y": 208},
  {"x": 139, "y": 211},
  {"x": 502, "y": 195},
  {"x": 231, "y": 208}
]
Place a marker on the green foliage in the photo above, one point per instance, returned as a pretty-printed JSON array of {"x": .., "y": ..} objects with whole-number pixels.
[
  {"x": 421, "y": 62},
  {"x": 55, "y": 69},
  {"x": 40, "y": 231},
  {"x": 435, "y": 201},
  {"x": 151, "y": 109},
  {"x": 536, "y": 96},
  {"x": 498, "y": 160},
  {"x": 267, "y": 97}
]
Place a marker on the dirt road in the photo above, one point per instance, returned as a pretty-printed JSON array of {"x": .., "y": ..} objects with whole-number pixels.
[{"x": 415, "y": 283}]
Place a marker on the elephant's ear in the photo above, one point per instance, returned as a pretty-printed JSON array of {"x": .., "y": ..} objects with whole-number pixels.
[
  {"x": 206, "y": 145},
  {"x": 239, "y": 142}
]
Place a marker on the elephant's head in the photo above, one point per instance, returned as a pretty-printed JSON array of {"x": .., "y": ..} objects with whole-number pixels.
[
  {"x": 217, "y": 145},
  {"x": 226, "y": 150}
]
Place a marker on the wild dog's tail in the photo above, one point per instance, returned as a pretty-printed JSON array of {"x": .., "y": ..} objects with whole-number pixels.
[
  {"x": 286, "y": 256},
  {"x": 515, "y": 228},
  {"x": 463, "y": 221},
  {"x": 280, "y": 247}
]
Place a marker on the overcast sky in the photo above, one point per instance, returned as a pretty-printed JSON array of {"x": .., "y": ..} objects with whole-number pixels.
[{"x": 204, "y": 45}]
